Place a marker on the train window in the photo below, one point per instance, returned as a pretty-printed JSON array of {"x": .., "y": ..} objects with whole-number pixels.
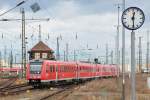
[
  {"x": 51, "y": 68},
  {"x": 104, "y": 69},
  {"x": 47, "y": 68},
  {"x": 35, "y": 67},
  {"x": 66, "y": 68},
  {"x": 62, "y": 69},
  {"x": 71, "y": 68}
]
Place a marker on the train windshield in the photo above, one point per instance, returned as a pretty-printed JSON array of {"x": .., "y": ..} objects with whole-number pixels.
[{"x": 35, "y": 67}]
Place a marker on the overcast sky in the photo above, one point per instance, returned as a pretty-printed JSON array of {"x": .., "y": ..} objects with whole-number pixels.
[{"x": 94, "y": 22}]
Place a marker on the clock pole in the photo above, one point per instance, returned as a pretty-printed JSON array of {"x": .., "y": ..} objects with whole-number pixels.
[
  {"x": 133, "y": 88},
  {"x": 138, "y": 17}
]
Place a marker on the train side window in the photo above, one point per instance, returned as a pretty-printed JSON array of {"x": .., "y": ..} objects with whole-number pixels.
[
  {"x": 71, "y": 69},
  {"x": 62, "y": 69},
  {"x": 59, "y": 68},
  {"x": 66, "y": 68},
  {"x": 51, "y": 68},
  {"x": 47, "y": 68},
  {"x": 104, "y": 69}
]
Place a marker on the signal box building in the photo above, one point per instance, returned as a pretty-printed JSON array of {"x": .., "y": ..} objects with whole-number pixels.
[{"x": 41, "y": 51}]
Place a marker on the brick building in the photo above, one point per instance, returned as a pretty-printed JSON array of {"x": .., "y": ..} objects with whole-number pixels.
[{"x": 41, "y": 51}]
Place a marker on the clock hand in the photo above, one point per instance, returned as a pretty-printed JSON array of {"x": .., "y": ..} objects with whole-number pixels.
[{"x": 133, "y": 18}]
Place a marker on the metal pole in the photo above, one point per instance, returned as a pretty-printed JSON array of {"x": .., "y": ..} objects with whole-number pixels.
[
  {"x": 64, "y": 56},
  {"x": 123, "y": 55},
  {"x": 117, "y": 53},
  {"x": 5, "y": 53},
  {"x": 133, "y": 68},
  {"x": 23, "y": 43},
  {"x": 112, "y": 57},
  {"x": 147, "y": 55},
  {"x": 58, "y": 56},
  {"x": 0, "y": 59},
  {"x": 39, "y": 32},
  {"x": 140, "y": 54},
  {"x": 22, "y": 40},
  {"x": 15, "y": 58},
  {"x": 106, "y": 53},
  {"x": 74, "y": 55},
  {"x": 66, "y": 51}
]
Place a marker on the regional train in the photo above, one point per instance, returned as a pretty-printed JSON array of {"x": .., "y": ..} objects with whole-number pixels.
[{"x": 40, "y": 72}]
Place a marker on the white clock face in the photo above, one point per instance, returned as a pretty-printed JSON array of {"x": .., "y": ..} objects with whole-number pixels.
[{"x": 133, "y": 18}]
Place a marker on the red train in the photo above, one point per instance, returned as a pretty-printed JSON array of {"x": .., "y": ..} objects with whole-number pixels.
[{"x": 47, "y": 71}]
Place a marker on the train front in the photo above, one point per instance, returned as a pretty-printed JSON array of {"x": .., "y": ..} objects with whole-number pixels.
[{"x": 34, "y": 72}]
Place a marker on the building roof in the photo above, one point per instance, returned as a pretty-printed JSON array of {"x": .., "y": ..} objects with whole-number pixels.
[{"x": 40, "y": 46}]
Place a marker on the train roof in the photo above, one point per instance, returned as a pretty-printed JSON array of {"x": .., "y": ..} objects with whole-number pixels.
[{"x": 71, "y": 62}]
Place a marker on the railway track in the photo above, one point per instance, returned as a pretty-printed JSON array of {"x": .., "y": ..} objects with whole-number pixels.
[
  {"x": 14, "y": 89},
  {"x": 7, "y": 83},
  {"x": 62, "y": 93}
]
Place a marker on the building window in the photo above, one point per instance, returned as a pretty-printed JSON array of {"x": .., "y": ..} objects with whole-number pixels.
[
  {"x": 44, "y": 55},
  {"x": 37, "y": 55}
]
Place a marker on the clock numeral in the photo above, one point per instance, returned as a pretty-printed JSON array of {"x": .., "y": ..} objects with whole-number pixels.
[
  {"x": 142, "y": 18},
  {"x": 140, "y": 22}
]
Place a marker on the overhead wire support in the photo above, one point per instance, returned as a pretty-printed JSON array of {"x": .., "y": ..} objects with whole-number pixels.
[
  {"x": 123, "y": 55},
  {"x": 23, "y": 42},
  {"x": 58, "y": 54},
  {"x": 19, "y": 4},
  {"x": 147, "y": 54},
  {"x": 106, "y": 54},
  {"x": 39, "y": 33},
  {"x": 34, "y": 19}
]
